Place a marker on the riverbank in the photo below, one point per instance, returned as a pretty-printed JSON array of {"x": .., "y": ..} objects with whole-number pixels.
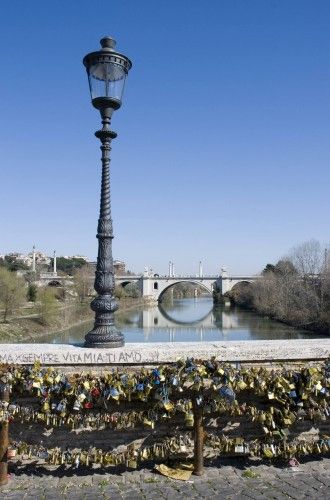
[
  {"x": 312, "y": 327},
  {"x": 27, "y": 328}
]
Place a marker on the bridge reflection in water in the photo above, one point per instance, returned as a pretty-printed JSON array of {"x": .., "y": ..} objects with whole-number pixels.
[
  {"x": 188, "y": 320},
  {"x": 197, "y": 320},
  {"x": 175, "y": 319}
]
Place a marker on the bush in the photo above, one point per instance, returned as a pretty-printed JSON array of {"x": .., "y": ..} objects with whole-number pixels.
[
  {"x": 32, "y": 292},
  {"x": 47, "y": 306}
]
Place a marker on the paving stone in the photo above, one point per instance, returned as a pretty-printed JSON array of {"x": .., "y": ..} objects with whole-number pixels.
[
  {"x": 110, "y": 489},
  {"x": 12, "y": 495},
  {"x": 72, "y": 496},
  {"x": 204, "y": 490},
  {"x": 45, "y": 495},
  {"x": 257, "y": 495},
  {"x": 311, "y": 480},
  {"x": 154, "y": 496},
  {"x": 320, "y": 481},
  {"x": 132, "y": 494}
]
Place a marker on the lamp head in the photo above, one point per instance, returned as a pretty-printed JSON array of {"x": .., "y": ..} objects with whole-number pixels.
[{"x": 107, "y": 70}]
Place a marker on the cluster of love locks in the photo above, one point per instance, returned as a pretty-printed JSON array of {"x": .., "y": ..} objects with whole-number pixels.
[{"x": 121, "y": 398}]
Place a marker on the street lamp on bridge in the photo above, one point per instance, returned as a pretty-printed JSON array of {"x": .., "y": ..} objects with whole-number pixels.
[{"x": 107, "y": 71}]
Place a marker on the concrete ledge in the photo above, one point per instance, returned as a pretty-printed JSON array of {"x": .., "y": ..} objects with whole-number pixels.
[{"x": 154, "y": 353}]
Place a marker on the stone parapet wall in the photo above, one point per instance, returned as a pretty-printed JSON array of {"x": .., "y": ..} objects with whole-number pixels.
[{"x": 263, "y": 351}]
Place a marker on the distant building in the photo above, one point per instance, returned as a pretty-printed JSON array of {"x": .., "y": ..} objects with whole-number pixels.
[
  {"x": 76, "y": 257},
  {"x": 37, "y": 257},
  {"x": 119, "y": 267},
  {"x": 40, "y": 259},
  {"x": 15, "y": 256}
]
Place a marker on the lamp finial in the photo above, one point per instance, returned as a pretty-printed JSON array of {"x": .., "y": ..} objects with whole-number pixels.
[{"x": 108, "y": 43}]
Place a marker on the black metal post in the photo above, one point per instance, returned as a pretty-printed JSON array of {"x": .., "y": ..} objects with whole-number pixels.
[
  {"x": 4, "y": 439},
  {"x": 198, "y": 439},
  {"x": 104, "y": 332}
]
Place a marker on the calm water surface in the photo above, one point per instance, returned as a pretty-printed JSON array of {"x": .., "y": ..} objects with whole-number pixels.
[{"x": 188, "y": 320}]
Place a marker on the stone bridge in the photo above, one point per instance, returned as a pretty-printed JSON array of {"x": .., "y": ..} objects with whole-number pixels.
[
  {"x": 154, "y": 286},
  {"x": 53, "y": 279}
]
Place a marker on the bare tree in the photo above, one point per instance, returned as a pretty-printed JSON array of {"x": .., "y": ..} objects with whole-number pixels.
[
  {"x": 12, "y": 292},
  {"x": 296, "y": 290},
  {"x": 308, "y": 258},
  {"x": 83, "y": 282}
]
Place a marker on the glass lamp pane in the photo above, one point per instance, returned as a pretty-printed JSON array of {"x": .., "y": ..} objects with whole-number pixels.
[{"x": 107, "y": 79}]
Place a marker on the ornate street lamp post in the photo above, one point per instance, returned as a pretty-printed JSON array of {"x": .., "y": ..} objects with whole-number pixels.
[{"x": 106, "y": 70}]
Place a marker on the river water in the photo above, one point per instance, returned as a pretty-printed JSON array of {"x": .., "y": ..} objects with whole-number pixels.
[{"x": 188, "y": 320}]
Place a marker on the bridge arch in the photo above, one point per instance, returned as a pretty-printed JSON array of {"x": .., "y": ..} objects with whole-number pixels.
[
  {"x": 123, "y": 284},
  {"x": 191, "y": 281},
  {"x": 242, "y": 282},
  {"x": 241, "y": 293},
  {"x": 168, "y": 317},
  {"x": 232, "y": 283},
  {"x": 54, "y": 283}
]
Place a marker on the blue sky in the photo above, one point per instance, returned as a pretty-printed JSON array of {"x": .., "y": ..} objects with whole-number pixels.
[{"x": 222, "y": 152}]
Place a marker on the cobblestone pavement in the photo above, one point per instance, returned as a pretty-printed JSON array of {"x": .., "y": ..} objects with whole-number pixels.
[{"x": 224, "y": 480}]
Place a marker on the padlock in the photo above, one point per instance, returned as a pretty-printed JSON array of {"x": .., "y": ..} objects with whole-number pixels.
[
  {"x": 267, "y": 452},
  {"x": 61, "y": 406},
  {"x": 227, "y": 393},
  {"x": 95, "y": 392},
  {"x": 148, "y": 423},
  {"x": 45, "y": 406},
  {"x": 76, "y": 405},
  {"x": 189, "y": 419},
  {"x": 114, "y": 393},
  {"x": 241, "y": 385}
]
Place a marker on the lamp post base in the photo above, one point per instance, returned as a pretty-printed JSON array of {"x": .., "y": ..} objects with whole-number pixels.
[
  {"x": 105, "y": 339},
  {"x": 104, "y": 345}
]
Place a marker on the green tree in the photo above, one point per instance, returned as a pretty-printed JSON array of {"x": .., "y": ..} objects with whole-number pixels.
[
  {"x": 32, "y": 292},
  {"x": 14, "y": 264},
  {"x": 120, "y": 292},
  {"x": 132, "y": 290},
  {"x": 47, "y": 306},
  {"x": 69, "y": 266},
  {"x": 285, "y": 267},
  {"x": 270, "y": 268},
  {"x": 12, "y": 292}
]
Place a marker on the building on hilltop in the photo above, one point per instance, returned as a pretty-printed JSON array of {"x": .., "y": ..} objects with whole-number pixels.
[
  {"x": 18, "y": 257},
  {"x": 118, "y": 265},
  {"x": 40, "y": 257},
  {"x": 30, "y": 260},
  {"x": 82, "y": 257}
]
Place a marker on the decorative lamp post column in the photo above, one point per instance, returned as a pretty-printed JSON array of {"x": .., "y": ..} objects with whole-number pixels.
[{"x": 106, "y": 70}]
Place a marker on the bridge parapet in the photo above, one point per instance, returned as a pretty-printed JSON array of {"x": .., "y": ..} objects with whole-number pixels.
[
  {"x": 153, "y": 286},
  {"x": 51, "y": 275}
]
